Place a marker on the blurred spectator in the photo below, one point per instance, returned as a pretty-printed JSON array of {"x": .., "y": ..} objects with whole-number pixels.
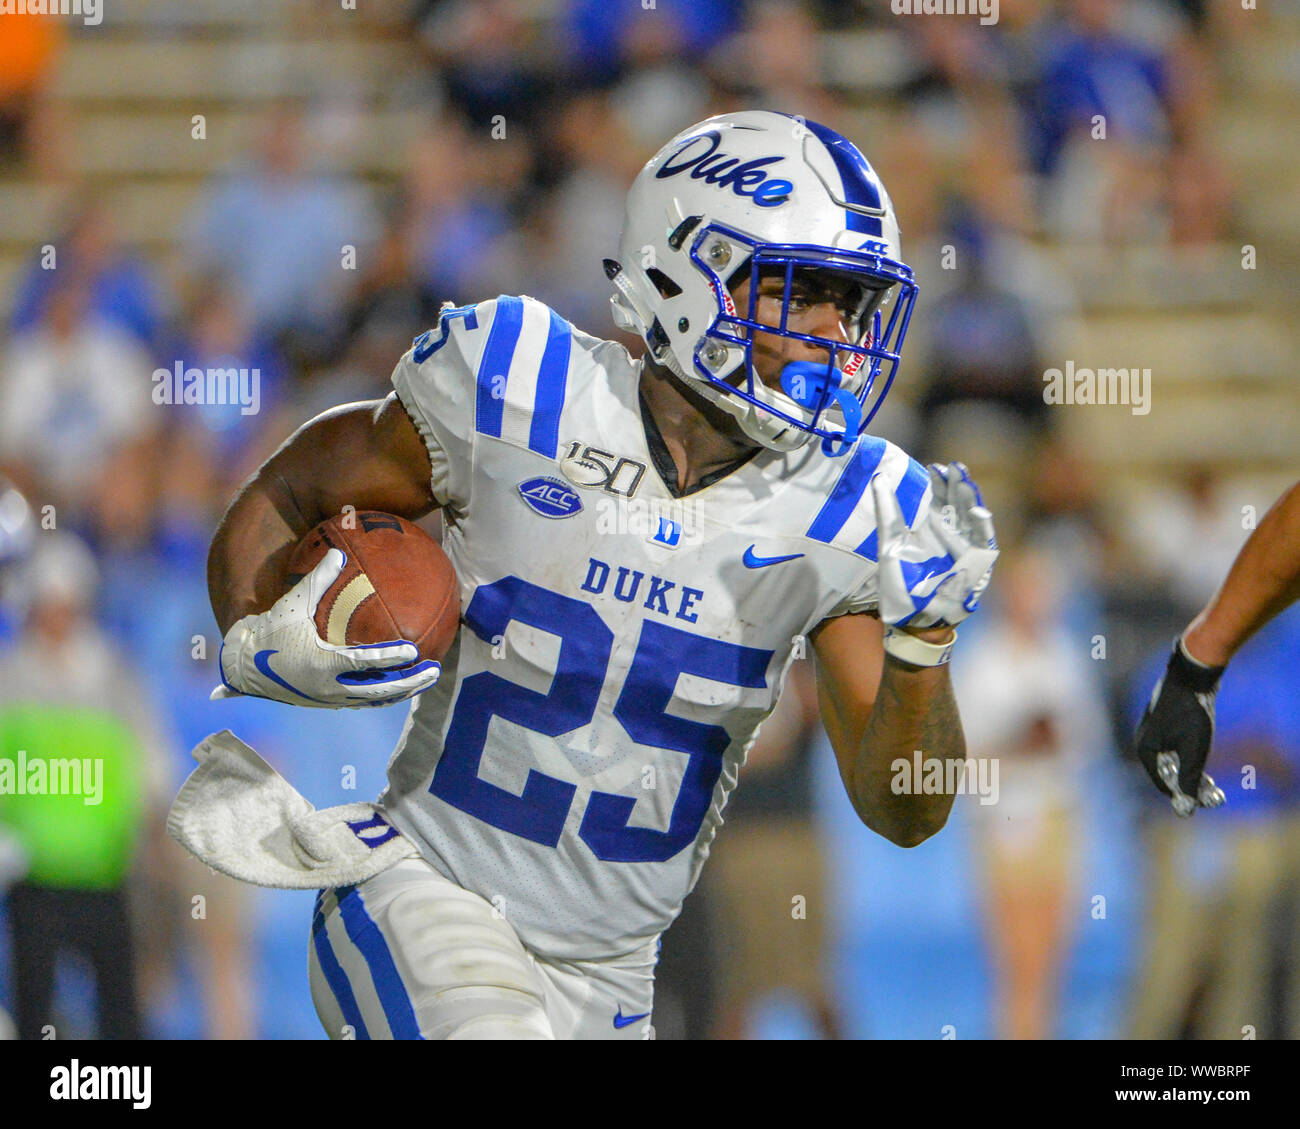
[
  {"x": 1133, "y": 72},
  {"x": 29, "y": 48},
  {"x": 457, "y": 194},
  {"x": 767, "y": 875},
  {"x": 122, "y": 291},
  {"x": 17, "y": 536},
  {"x": 391, "y": 303},
  {"x": 74, "y": 404},
  {"x": 567, "y": 239},
  {"x": 1188, "y": 534},
  {"x": 279, "y": 231},
  {"x": 1108, "y": 599},
  {"x": 390, "y": 308},
  {"x": 1030, "y": 708},
  {"x": 218, "y": 334},
  {"x": 984, "y": 342},
  {"x": 487, "y": 57},
  {"x": 603, "y": 39},
  {"x": 75, "y": 728}
]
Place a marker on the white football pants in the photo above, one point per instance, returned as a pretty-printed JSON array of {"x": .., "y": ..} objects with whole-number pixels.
[{"x": 408, "y": 954}]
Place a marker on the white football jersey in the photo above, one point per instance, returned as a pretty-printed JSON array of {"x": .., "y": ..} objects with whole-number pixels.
[{"x": 619, "y": 646}]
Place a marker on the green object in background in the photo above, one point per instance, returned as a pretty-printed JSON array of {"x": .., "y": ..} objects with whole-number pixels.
[{"x": 73, "y": 841}]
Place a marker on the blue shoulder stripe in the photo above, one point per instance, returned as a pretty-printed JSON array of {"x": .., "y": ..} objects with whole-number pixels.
[
  {"x": 495, "y": 365},
  {"x": 848, "y": 490},
  {"x": 911, "y": 490},
  {"x": 552, "y": 377},
  {"x": 909, "y": 493}
]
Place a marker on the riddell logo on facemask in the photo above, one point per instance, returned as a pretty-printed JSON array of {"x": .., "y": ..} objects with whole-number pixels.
[{"x": 700, "y": 157}]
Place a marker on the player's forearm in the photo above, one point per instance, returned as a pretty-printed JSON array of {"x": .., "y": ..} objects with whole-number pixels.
[
  {"x": 366, "y": 455},
  {"x": 1264, "y": 579},
  {"x": 285, "y": 498},
  {"x": 915, "y": 709},
  {"x": 246, "y": 563}
]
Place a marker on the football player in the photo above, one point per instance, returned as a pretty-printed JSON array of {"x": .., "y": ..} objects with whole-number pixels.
[
  {"x": 643, "y": 546},
  {"x": 1177, "y": 729}
]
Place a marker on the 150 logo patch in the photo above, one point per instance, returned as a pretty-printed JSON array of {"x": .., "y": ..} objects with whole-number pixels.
[{"x": 585, "y": 465}]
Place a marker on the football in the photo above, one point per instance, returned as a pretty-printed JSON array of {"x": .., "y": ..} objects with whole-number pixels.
[{"x": 397, "y": 583}]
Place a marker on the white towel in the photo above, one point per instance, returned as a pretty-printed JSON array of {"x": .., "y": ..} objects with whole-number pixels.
[{"x": 241, "y": 817}]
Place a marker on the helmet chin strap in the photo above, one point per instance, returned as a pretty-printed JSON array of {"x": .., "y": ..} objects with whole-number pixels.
[{"x": 763, "y": 429}]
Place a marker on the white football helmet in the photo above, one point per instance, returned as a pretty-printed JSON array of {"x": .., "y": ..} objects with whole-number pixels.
[{"x": 767, "y": 194}]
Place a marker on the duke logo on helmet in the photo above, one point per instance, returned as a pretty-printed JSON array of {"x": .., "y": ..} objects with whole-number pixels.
[{"x": 748, "y": 179}]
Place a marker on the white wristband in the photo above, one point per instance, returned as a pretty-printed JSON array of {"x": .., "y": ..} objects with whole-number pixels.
[{"x": 909, "y": 649}]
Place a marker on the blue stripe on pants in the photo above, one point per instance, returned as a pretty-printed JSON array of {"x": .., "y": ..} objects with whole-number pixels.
[
  {"x": 365, "y": 934},
  {"x": 335, "y": 977}
]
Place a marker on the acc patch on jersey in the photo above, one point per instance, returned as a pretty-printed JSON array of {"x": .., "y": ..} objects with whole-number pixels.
[{"x": 550, "y": 497}]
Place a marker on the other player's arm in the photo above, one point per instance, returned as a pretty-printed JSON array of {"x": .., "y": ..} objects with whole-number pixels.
[
  {"x": 1263, "y": 580},
  {"x": 1174, "y": 737},
  {"x": 368, "y": 455},
  {"x": 877, "y": 710}
]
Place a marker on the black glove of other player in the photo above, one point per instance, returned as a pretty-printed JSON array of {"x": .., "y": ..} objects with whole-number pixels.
[{"x": 1177, "y": 729}]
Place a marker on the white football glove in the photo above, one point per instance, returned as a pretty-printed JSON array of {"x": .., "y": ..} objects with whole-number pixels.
[
  {"x": 938, "y": 572},
  {"x": 280, "y": 655}
]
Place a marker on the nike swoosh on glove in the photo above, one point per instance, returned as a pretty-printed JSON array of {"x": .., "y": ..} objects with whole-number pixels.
[
  {"x": 937, "y": 573},
  {"x": 1177, "y": 729},
  {"x": 279, "y": 654}
]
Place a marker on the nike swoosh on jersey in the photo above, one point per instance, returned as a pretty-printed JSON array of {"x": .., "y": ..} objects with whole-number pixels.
[
  {"x": 753, "y": 561},
  {"x": 621, "y": 1020}
]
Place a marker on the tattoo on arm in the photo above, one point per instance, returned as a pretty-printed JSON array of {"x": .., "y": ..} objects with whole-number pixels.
[{"x": 915, "y": 709}]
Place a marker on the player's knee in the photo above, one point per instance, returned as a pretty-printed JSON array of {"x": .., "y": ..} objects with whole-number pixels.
[
  {"x": 504, "y": 1027},
  {"x": 448, "y": 946},
  {"x": 484, "y": 1012}
]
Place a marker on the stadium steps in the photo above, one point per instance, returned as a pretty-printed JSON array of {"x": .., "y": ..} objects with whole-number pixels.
[
  {"x": 240, "y": 17},
  {"x": 1255, "y": 126},
  {"x": 131, "y": 85},
  {"x": 1221, "y": 341},
  {"x": 1186, "y": 345},
  {"x": 1221, "y": 424},
  {"x": 159, "y": 143},
  {"x": 206, "y": 75},
  {"x": 1159, "y": 277}
]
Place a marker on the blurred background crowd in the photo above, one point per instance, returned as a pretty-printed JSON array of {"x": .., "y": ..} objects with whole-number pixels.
[{"x": 297, "y": 187}]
